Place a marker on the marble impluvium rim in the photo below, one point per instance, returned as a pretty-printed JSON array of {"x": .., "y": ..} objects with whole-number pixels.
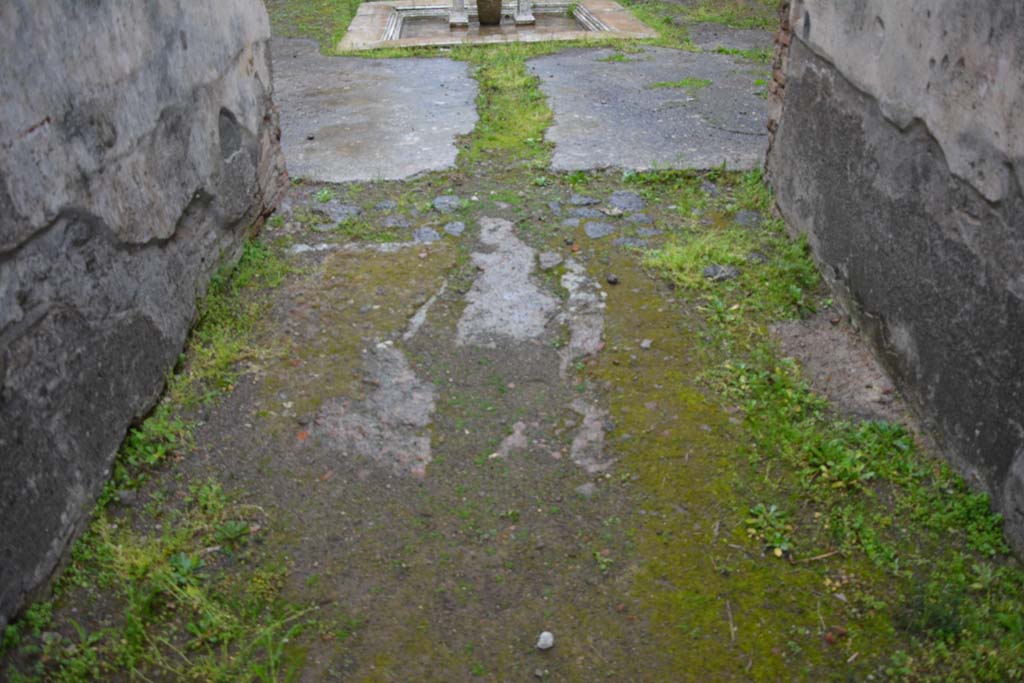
[{"x": 379, "y": 24}]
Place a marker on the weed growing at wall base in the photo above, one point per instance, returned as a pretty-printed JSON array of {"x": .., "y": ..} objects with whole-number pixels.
[
  {"x": 838, "y": 488},
  {"x": 219, "y": 341},
  {"x": 186, "y": 611},
  {"x": 951, "y": 587},
  {"x": 196, "y": 601}
]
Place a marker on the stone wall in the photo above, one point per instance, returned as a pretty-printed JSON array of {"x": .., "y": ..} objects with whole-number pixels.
[
  {"x": 898, "y": 149},
  {"x": 138, "y": 146}
]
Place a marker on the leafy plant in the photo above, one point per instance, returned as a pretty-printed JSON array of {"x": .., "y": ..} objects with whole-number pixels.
[
  {"x": 209, "y": 496},
  {"x": 770, "y": 524},
  {"x": 603, "y": 560},
  {"x": 833, "y": 463},
  {"x": 186, "y": 568},
  {"x": 232, "y": 531},
  {"x": 152, "y": 441}
]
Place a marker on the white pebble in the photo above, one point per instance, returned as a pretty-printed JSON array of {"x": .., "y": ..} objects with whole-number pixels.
[{"x": 546, "y": 641}]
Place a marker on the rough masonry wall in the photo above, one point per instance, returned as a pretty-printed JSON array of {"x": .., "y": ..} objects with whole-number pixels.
[
  {"x": 138, "y": 144},
  {"x": 898, "y": 148}
]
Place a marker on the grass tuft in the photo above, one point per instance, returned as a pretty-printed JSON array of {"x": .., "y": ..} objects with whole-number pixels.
[
  {"x": 684, "y": 83},
  {"x": 513, "y": 111},
  {"x": 759, "y": 55},
  {"x": 187, "y": 612},
  {"x": 325, "y": 21}
]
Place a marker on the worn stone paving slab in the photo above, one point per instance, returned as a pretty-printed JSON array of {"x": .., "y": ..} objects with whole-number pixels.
[
  {"x": 389, "y": 427},
  {"x": 347, "y": 118},
  {"x": 607, "y": 114},
  {"x": 504, "y": 304}
]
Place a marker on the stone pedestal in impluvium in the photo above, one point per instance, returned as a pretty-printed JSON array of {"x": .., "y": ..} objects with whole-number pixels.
[
  {"x": 457, "y": 15},
  {"x": 524, "y": 13}
]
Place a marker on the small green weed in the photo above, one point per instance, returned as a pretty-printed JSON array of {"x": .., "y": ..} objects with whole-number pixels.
[
  {"x": 683, "y": 83},
  {"x": 759, "y": 55},
  {"x": 578, "y": 179},
  {"x": 617, "y": 58},
  {"x": 770, "y": 524},
  {"x": 603, "y": 560},
  {"x": 152, "y": 441},
  {"x": 232, "y": 531},
  {"x": 365, "y": 231},
  {"x": 209, "y": 496},
  {"x": 186, "y": 568}
]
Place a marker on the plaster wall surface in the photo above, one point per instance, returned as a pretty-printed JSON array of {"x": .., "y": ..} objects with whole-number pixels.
[
  {"x": 138, "y": 145},
  {"x": 898, "y": 149}
]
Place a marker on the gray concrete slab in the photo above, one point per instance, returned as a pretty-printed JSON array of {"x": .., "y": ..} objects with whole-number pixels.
[
  {"x": 348, "y": 118},
  {"x": 607, "y": 114}
]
